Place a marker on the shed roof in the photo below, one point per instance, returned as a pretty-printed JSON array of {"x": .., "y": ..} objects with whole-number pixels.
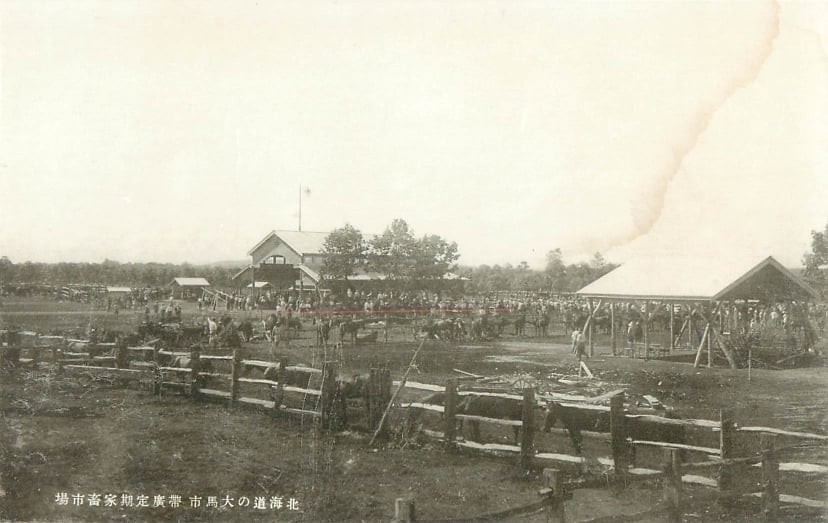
[
  {"x": 258, "y": 285},
  {"x": 703, "y": 279},
  {"x": 118, "y": 289},
  {"x": 191, "y": 282}
]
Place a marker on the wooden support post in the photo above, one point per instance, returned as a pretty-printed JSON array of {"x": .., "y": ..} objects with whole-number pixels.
[
  {"x": 672, "y": 330},
  {"x": 404, "y": 511},
  {"x": 527, "y": 429},
  {"x": 646, "y": 330},
  {"x": 613, "y": 330},
  {"x": 690, "y": 329},
  {"x": 195, "y": 360},
  {"x": 726, "y": 437},
  {"x": 618, "y": 433},
  {"x": 234, "y": 377},
  {"x": 701, "y": 346},
  {"x": 590, "y": 338},
  {"x": 770, "y": 478},
  {"x": 727, "y": 352},
  {"x": 672, "y": 484},
  {"x": 554, "y": 481},
  {"x": 450, "y": 411},
  {"x": 709, "y": 350}
]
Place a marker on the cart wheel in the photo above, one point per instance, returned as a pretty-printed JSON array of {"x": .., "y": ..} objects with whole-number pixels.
[{"x": 522, "y": 383}]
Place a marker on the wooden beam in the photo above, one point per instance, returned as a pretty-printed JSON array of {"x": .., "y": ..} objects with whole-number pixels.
[
  {"x": 613, "y": 330},
  {"x": 701, "y": 345},
  {"x": 709, "y": 352},
  {"x": 672, "y": 333},
  {"x": 647, "y": 330}
]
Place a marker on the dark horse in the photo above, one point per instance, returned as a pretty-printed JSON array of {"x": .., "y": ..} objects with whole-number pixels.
[{"x": 577, "y": 418}]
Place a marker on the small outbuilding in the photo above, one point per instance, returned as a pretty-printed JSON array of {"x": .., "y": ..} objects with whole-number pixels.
[{"x": 188, "y": 288}]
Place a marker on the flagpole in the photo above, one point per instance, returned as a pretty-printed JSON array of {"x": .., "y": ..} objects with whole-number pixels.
[{"x": 300, "y": 207}]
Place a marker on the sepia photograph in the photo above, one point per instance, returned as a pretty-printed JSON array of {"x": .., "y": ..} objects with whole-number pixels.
[{"x": 368, "y": 260}]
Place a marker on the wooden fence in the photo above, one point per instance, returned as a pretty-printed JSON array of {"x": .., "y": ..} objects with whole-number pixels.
[
  {"x": 319, "y": 395},
  {"x": 620, "y": 466},
  {"x": 329, "y": 409}
]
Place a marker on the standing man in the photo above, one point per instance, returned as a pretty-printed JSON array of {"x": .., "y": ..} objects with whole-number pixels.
[{"x": 578, "y": 343}]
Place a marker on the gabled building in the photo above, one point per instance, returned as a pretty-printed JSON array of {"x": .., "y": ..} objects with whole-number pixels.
[
  {"x": 294, "y": 260},
  {"x": 286, "y": 259}
]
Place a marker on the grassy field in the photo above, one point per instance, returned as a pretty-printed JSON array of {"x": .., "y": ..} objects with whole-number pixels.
[{"x": 81, "y": 434}]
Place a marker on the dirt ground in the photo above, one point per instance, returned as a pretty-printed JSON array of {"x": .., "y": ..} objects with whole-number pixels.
[{"x": 81, "y": 434}]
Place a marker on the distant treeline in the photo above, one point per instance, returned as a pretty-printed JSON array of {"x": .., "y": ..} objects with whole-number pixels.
[
  {"x": 112, "y": 273},
  {"x": 556, "y": 277}
]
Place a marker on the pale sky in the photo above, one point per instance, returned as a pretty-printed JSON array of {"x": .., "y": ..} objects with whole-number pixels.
[{"x": 173, "y": 131}]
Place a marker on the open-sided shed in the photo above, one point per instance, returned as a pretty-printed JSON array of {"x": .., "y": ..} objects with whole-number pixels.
[
  {"x": 183, "y": 288},
  {"x": 706, "y": 286}
]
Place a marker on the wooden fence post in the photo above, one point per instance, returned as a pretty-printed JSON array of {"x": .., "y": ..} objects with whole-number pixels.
[
  {"x": 404, "y": 510},
  {"x": 157, "y": 377},
  {"x": 57, "y": 358},
  {"x": 770, "y": 478},
  {"x": 672, "y": 484},
  {"x": 554, "y": 481},
  {"x": 120, "y": 353},
  {"x": 234, "y": 377},
  {"x": 726, "y": 436},
  {"x": 450, "y": 411},
  {"x": 280, "y": 387},
  {"x": 328, "y": 417},
  {"x": 527, "y": 429},
  {"x": 195, "y": 368},
  {"x": 618, "y": 434}
]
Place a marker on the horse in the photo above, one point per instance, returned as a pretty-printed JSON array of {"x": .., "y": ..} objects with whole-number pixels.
[
  {"x": 350, "y": 328},
  {"x": 490, "y": 407},
  {"x": 575, "y": 420},
  {"x": 186, "y": 362}
]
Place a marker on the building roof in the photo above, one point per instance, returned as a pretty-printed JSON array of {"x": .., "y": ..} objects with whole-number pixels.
[
  {"x": 191, "y": 282},
  {"x": 258, "y": 285},
  {"x": 312, "y": 274},
  {"x": 118, "y": 289},
  {"x": 702, "y": 279},
  {"x": 303, "y": 242}
]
